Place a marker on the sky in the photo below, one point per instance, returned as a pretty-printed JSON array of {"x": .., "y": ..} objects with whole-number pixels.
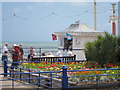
[
  {"x": 0, "y": 22},
  {"x": 36, "y": 21}
]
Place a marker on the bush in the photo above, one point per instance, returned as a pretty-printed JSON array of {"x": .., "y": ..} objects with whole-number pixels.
[{"x": 104, "y": 50}]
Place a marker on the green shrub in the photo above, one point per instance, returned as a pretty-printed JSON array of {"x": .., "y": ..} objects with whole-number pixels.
[{"x": 106, "y": 49}]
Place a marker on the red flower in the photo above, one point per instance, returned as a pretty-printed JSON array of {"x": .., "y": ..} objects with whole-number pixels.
[
  {"x": 40, "y": 67},
  {"x": 56, "y": 65},
  {"x": 54, "y": 68},
  {"x": 51, "y": 65},
  {"x": 69, "y": 68}
]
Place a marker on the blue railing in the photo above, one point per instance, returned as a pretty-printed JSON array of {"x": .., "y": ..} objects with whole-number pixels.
[
  {"x": 38, "y": 51},
  {"x": 59, "y": 79}
]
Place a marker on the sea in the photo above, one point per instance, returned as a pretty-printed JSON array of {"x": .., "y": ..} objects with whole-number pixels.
[
  {"x": 35, "y": 44},
  {"x": 39, "y": 46}
]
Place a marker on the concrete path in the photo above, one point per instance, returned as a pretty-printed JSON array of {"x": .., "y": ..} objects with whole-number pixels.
[{"x": 17, "y": 83}]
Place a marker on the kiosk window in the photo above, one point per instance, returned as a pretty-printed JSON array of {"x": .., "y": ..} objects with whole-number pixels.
[
  {"x": 61, "y": 42},
  {"x": 67, "y": 44}
]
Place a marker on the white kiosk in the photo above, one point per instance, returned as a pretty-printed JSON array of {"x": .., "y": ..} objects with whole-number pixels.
[{"x": 80, "y": 34}]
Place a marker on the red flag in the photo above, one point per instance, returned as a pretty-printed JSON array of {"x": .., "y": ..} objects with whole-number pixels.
[{"x": 54, "y": 37}]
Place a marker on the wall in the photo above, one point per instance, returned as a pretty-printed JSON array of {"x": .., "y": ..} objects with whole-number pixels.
[{"x": 79, "y": 43}]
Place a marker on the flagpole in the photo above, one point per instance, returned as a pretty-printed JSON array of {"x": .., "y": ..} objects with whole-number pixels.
[{"x": 95, "y": 15}]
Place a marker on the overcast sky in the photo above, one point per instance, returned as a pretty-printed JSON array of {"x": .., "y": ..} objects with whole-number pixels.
[{"x": 36, "y": 21}]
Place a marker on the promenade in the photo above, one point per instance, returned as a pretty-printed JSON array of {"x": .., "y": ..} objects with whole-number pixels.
[{"x": 16, "y": 83}]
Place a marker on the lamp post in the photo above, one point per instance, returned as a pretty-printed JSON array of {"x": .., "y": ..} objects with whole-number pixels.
[
  {"x": 95, "y": 15},
  {"x": 113, "y": 19}
]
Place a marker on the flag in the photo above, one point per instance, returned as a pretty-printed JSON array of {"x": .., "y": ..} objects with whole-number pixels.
[
  {"x": 54, "y": 37},
  {"x": 68, "y": 36}
]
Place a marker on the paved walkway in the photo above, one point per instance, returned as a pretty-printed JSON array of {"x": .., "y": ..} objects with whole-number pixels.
[{"x": 3, "y": 83}]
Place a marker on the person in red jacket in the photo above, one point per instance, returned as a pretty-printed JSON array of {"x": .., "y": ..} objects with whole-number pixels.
[{"x": 16, "y": 56}]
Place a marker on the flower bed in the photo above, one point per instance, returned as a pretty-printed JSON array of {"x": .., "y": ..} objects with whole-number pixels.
[{"x": 46, "y": 66}]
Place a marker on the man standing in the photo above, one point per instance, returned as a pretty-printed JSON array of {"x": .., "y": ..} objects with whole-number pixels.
[
  {"x": 15, "y": 56},
  {"x": 5, "y": 48},
  {"x": 4, "y": 52}
]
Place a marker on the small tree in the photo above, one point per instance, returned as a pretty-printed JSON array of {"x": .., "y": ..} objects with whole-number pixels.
[
  {"x": 103, "y": 50},
  {"x": 118, "y": 49}
]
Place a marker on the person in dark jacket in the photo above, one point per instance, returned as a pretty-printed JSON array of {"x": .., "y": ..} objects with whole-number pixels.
[
  {"x": 31, "y": 53},
  {"x": 15, "y": 56},
  {"x": 4, "y": 56}
]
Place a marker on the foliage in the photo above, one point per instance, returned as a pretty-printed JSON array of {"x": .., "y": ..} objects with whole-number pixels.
[
  {"x": 103, "y": 50},
  {"x": 46, "y": 66},
  {"x": 85, "y": 69}
]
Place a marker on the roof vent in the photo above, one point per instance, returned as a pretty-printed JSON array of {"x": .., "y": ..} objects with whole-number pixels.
[{"x": 77, "y": 22}]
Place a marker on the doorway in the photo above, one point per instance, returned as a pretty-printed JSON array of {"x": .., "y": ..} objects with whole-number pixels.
[{"x": 67, "y": 44}]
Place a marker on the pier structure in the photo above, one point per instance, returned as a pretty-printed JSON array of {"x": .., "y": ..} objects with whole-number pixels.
[{"x": 80, "y": 34}]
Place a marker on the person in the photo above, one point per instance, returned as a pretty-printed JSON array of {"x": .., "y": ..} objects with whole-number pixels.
[
  {"x": 15, "y": 56},
  {"x": 43, "y": 54},
  {"x": 5, "y": 52},
  {"x": 59, "y": 54},
  {"x": 21, "y": 51},
  {"x": 31, "y": 53},
  {"x": 5, "y": 48},
  {"x": 66, "y": 46},
  {"x": 50, "y": 54},
  {"x": 70, "y": 53},
  {"x": 70, "y": 47},
  {"x": 12, "y": 49},
  {"x": 4, "y": 56}
]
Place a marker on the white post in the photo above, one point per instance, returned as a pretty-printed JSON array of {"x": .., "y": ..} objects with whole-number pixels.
[{"x": 95, "y": 15}]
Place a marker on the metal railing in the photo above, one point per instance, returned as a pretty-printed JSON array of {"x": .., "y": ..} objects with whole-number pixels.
[
  {"x": 60, "y": 79},
  {"x": 38, "y": 51}
]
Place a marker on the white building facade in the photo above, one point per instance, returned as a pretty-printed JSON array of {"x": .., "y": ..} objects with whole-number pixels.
[{"x": 81, "y": 34}]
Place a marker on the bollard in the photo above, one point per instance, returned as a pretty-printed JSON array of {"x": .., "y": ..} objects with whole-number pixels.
[
  {"x": 20, "y": 74},
  {"x": 64, "y": 78},
  {"x": 50, "y": 80},
  {"x": 39, "y": 80},
  {"x": 5, "y": 67},
  {"x": 13, "y": 77},
  {"x": 40, "y": 52},
  {"x": 29, "y": 76},
  {"x": 97, "y": 80}
]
